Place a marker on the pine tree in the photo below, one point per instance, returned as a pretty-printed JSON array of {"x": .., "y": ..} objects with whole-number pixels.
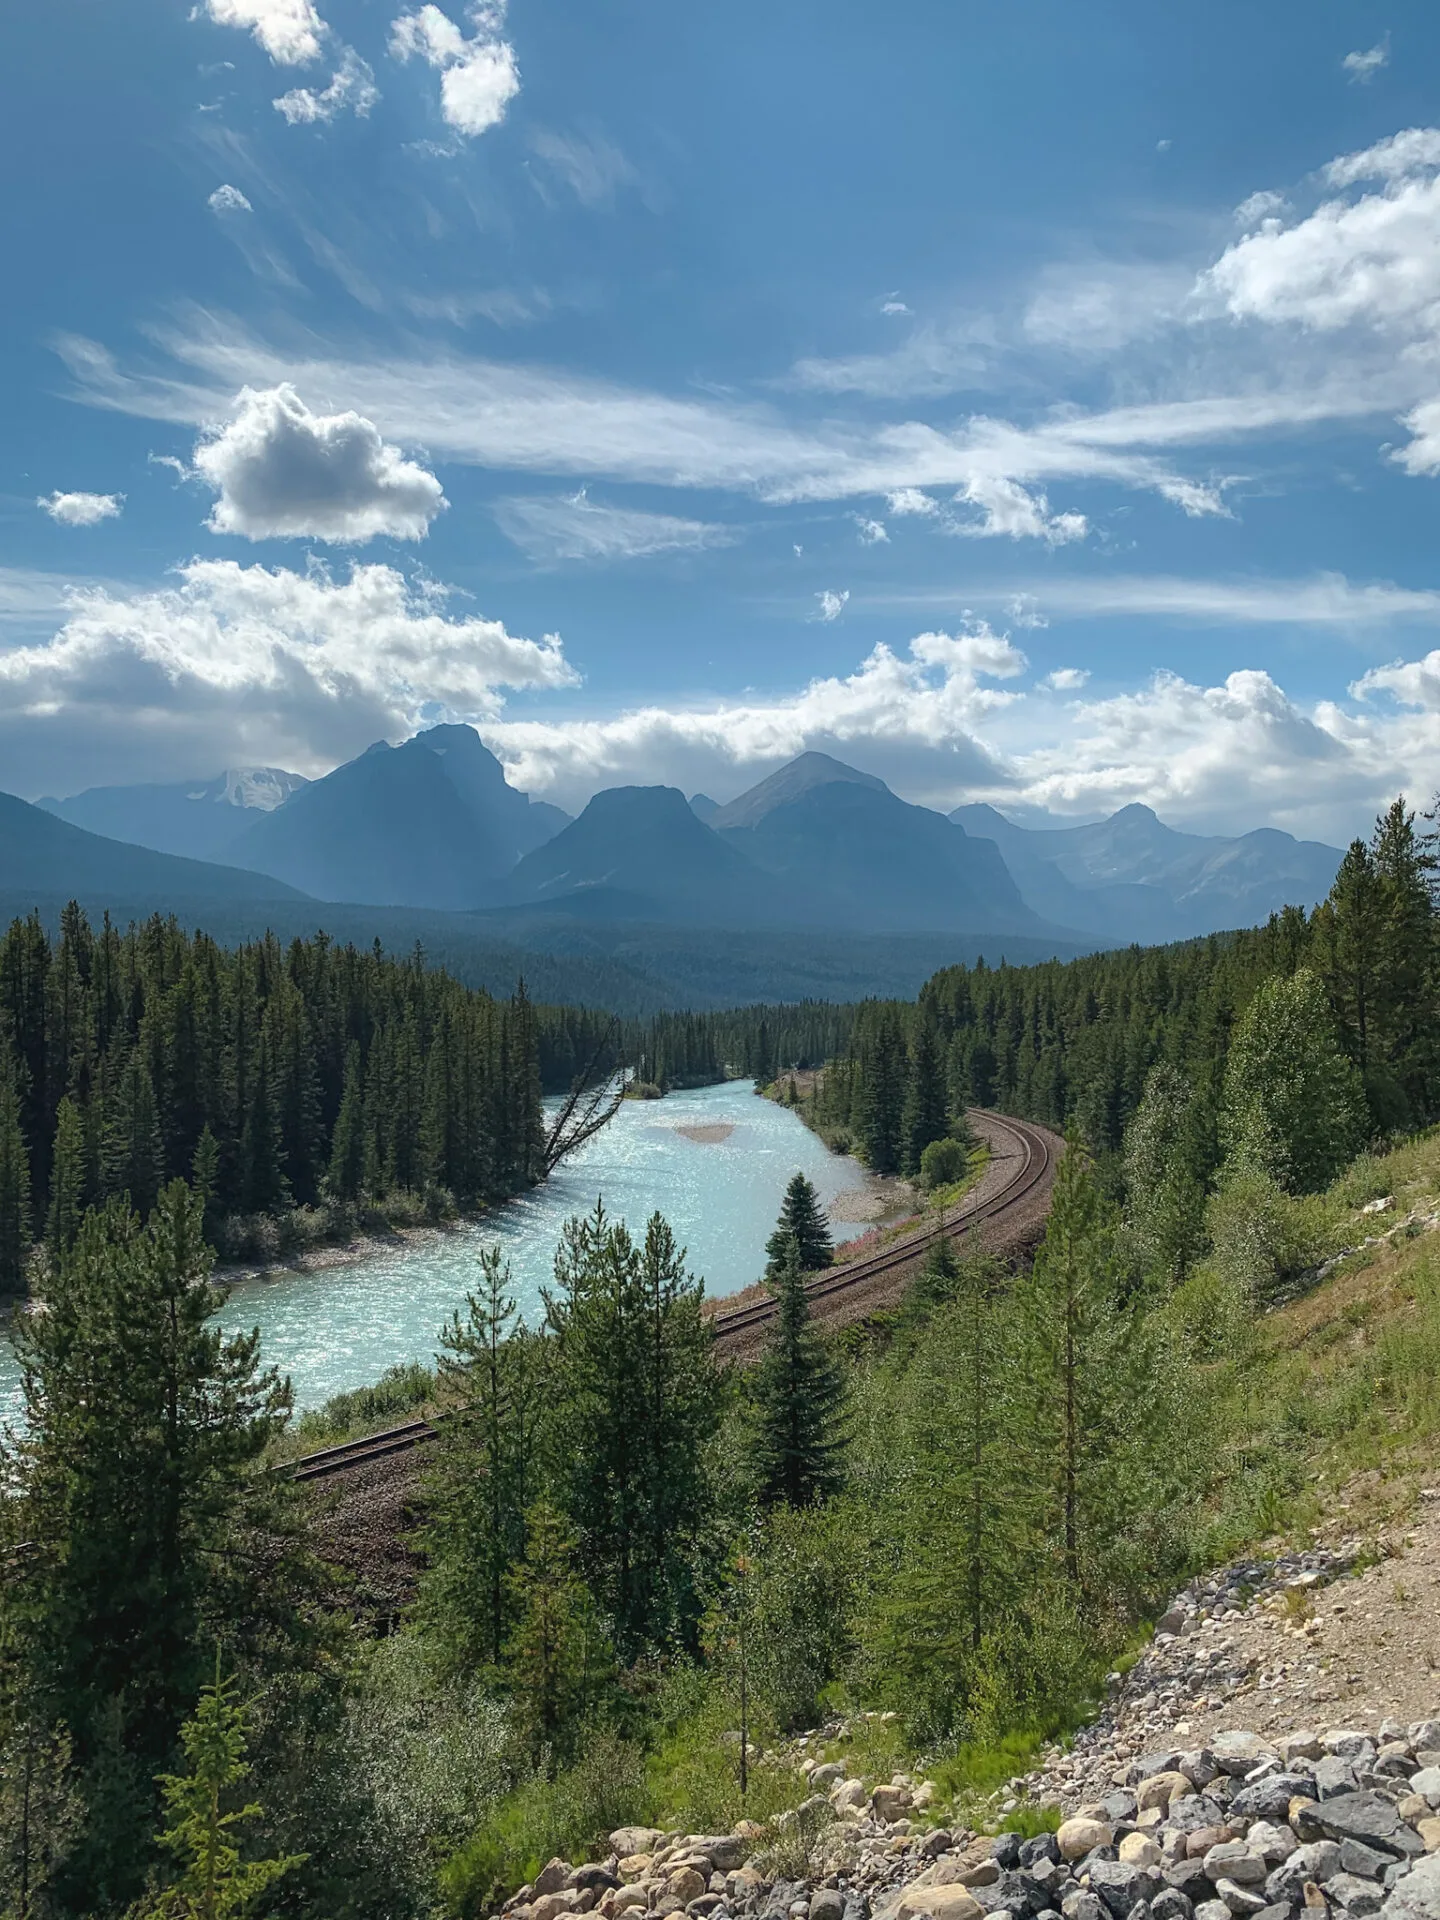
[
  {"x": 214, "y": 1881},
  {"x": 803, "y": 1220},
  {"x": 636, "y": 1397},
  {"x": 799, "y": 1394},
  {"x": 205, "y": 1182},
  {"x": 555, "y": 1650},
  {"x": 14, "y": 1187},
  {"x": 484, "y": 1477},
  {"x": 144, "y": 1423},
  {"x": 880, "y": 1097},
  {"x": 1086, "y": 1380},
  {"x": 67, "y": 1182}
]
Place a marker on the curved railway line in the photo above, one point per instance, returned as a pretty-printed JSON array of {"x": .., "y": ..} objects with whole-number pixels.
[{"x": 1014, "y": 1192}]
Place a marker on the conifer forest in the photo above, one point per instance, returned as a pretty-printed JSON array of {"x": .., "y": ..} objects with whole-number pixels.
[{"x": 634, "y": 1572}]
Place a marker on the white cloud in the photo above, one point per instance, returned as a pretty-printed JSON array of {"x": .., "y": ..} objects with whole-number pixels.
[
  {"x": 478, "y": 77},
  {"x": 1263, "y": 205},
  {"x": 1363, "y": 67},
  {"x": 282, "y": 471},
  {"x": 910, "y": 718},
  {"x": 574, "y": 527},
  {"x": 1416, "y": 150},
  {"x": 872, "y": 532},
  {"x": 228, "y": 199},
  {"x": 592, "y": 167},
  {"x": 908, "y": 500},
  {"x": 235, "y": 663},
  {"x": 830, "y": 605},
  {"x": 1322, "y": 600},
  {"x": 1023, "y": 610},
  {"x": 351, "y": 89},
  {"x": 894, "y": 306},
  {"x": 290, "y": 31},
  {"x": 82, "y": 509},
  {"x": 1066, "y": 679},
  {"x": 1007, "y": 510}
]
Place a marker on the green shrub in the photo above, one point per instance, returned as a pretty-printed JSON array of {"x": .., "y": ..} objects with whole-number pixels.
[
  {"x": 571, "y": 1815},
  {"x": 943, "y": 1163}
]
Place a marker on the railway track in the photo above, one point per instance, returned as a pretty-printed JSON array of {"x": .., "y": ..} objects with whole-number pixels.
[{"x": 1034, "y": 1153}]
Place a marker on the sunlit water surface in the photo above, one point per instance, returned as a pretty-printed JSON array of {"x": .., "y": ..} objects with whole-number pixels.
[{"x": 342, "y": 1326}]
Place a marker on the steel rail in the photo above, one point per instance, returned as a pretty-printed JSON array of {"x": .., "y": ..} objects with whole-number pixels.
[{"x": 1035, "y": 1155}]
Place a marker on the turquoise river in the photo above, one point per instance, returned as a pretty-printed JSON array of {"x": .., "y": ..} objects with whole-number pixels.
[{"x": 714, "y": 1161}]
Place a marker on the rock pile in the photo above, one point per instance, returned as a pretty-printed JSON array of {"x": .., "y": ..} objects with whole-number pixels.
[{"x": 1332, "y": 1826}]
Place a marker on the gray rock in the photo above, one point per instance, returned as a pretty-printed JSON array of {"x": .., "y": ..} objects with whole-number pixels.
[
  {"x": 1006, "y": 1851},
  {"x": 1171, "y": 1904},
  {"x": 594, "y": 1877},
  {"x": 1354, "y": 1895},
  {"x": 1269, "y": 1799},
  {"x": 827, "y": 1775},
  {"x": 826, "y": 1904},
  {"x": 1349, "y": 1742},
  {"x": 1188, "y": 1877},
  {"x": 1242, "y": 1901},
  {"x": 1318, "y": 1862},
  {"x": 1198, "y": 1765},
  {"x": 1274, "y": 1844},
  {"x": 1362, "y": 1861},
  {"x": 1333, "y": 1776},
  {"x": 1042, "y": 1847},
  {"x": 1233, "y": 1860},
  {"x": 1141, "y": 1910},
  {"x": 1427, "y": 1782},
  {"x": 1119, "y": 1805},
  {"x": 1239, "y": 1752},
  {"x": 857, "y": 1907},
  {"x": 1424, "y": 1735},
  {"x": 1149, "y": 1764},
  {"x": 1083, "y": 1905},
  {"x": 1120, "y": 1885},
  {"x": 1281, "y": 1910},
  {"x": 1367, "y": 1817},
  {"x": 1212, "y": 1910}
]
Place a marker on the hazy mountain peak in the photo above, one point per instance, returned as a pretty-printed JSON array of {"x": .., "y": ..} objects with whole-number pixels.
[{"x": 799, "y": 776}]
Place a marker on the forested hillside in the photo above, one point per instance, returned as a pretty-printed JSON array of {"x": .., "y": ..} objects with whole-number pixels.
[
  {"x": 1075, "y": 1043},
  {"x": 275, "y": 1077}
]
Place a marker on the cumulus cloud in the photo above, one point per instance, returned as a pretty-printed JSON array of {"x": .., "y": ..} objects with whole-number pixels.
[
  {"x": 829, "y": 606},
  {"x": 910, "y": 500},
  {"x": 910, "y": 717},
  {"x": 81, "y": 509},
  {"x": 1263, "y": 205},
  {"x": 352, "y": 89},
  {"x": 1363, "y": 67},
  {"x": 575, "y": 527},
  {"x": 872, "y": 532},
  {"x": 241, "y": 662},
  {"x": 1008, "y": 510},
  {"x": 1066, "y": 679},
  {"x": 290, "y": 31},
  {"x": 478, "y": 76},
  {"x": 282, "y": 471},
  {"x": 228, "y": 199}
]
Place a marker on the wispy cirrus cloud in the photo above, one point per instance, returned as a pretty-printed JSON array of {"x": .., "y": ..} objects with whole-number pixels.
[{"x": 550, "y": 528}]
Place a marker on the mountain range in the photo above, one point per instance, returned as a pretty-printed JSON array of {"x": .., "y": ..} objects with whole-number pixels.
[{"x": 433, "y": 825}]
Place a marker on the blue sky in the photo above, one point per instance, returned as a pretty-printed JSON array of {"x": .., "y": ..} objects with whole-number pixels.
[{"x": 1028, "y": 401}]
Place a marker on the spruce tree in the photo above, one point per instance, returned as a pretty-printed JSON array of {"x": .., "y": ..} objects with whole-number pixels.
[
  {"x": 799, "y": 1395},
  {"x": 136, "y": 1477},
  {"x": 215, "y": 1882},
  {"x": 347, "y": 1153},
  {"x": 14, "y": 1187},
  {"x": 67, "y": 1182},
  {"x": 927, "y": 1108},
  {"x": 131, "y": 1149},
  {"x": 880, "y": 1095},
  {"x": 1165, "y": 1177},
  {"x": 803, "y": 1220}
]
